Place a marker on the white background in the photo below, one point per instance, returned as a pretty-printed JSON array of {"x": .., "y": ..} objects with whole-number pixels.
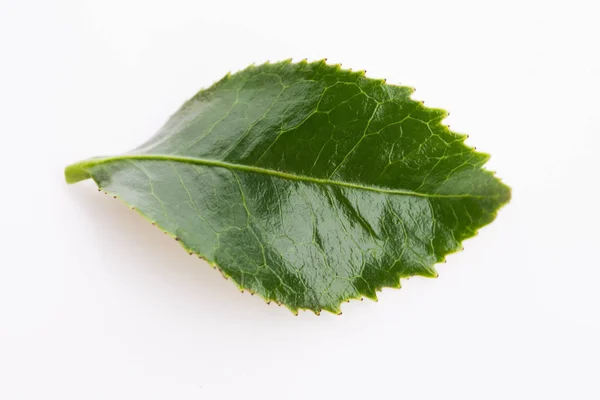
[{"x": 95, "y": 303}]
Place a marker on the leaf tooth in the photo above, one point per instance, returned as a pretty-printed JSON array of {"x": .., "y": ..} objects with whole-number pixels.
[
  {"x": 223, "y": 274},
  {"x": 219, "y": 82},
  {"x": 334, "y": 309}
]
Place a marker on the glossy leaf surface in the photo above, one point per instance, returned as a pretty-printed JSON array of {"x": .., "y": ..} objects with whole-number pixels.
[{"x": 307, "y": 184}]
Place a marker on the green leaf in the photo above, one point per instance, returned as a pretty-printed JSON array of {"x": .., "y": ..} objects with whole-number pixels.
[{"x": 307, "y": 184}]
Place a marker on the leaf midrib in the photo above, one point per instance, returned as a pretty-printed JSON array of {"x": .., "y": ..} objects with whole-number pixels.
[{"x": 247, "y": 168}]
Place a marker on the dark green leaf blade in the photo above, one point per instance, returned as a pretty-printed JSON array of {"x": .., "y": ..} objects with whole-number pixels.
[{"x": 307, "y": 184}]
